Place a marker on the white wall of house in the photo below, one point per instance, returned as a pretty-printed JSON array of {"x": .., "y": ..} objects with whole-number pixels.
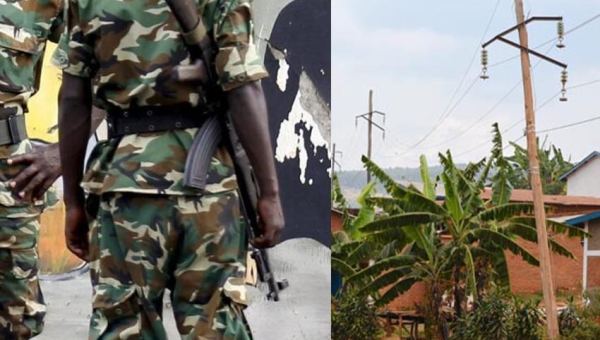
[{"x": 585, "y": 181}]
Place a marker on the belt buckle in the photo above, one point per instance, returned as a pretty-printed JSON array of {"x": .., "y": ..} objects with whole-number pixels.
[{"x": 13, "y": 129}]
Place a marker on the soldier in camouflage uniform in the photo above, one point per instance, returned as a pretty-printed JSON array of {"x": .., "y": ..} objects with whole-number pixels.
[
  {"x": 152, "y": 233},
  {"x": 25, "y": 173}
]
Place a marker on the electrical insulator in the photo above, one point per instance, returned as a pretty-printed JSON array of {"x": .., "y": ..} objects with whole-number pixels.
[
  {"x": 484, "y": 63},
  {"x": 561, "y": 34},
  {"x": 563, "y": 79}
]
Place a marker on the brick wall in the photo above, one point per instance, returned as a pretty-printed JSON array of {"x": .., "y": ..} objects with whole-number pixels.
[
  {"x": 336, "y": 222},
  {"x": 525, "y": 278},
  {"x": 567, "y": 273},
  {"x": 593, "y": 272}
]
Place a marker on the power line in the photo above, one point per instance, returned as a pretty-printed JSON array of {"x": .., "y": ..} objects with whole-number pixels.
[
  {"x": 432, "y": 130},
  {"x": 549, "y": 41},
  {"x": 546, "y": 130},
  {"x": 487, "y": 113},
  {"x": 579, "y": 26},
  {"x": 519, "y": 121},
  {"x": 569, "y": 125},
  {"x": 472, "y": 59},
  {"x": 447, "y": 113},
  {"x": 549, "y": 100}
]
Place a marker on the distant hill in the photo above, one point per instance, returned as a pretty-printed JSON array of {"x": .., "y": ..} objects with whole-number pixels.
[{"x": 353, "y": 181}]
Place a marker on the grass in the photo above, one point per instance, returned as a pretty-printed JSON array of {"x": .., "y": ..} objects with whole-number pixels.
[{"x": 55, "y": 258}]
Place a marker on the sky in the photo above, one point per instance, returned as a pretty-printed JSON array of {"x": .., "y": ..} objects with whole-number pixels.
[{"x": 422, "y": 61}]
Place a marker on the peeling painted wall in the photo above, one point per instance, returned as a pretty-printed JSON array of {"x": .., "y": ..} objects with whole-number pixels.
[{"x": 295, "y": 40}]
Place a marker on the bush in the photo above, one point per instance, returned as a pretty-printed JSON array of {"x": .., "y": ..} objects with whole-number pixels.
[
  {"x": 580, "y": 323},
  {"x": 353, "y": 318},
  {"x": 526, "y": 320},
  {"x": 585, "y": 330},
  {"x": 500, "y": 318},
  {"x": 489, "y": 320}
]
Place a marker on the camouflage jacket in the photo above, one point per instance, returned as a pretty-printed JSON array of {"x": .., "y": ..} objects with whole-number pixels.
[
  {"x": 25, "y": 27},
  {"x": 130, "y": 49}
]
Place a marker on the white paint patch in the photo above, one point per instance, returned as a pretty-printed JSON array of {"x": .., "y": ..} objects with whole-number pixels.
[
  {"x": 282, "y": 74},
  {"x": 310, "y": 181},
  {"x": 291, "y": 144}
]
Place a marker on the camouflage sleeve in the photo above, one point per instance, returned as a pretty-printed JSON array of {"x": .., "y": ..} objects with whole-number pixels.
[
  {"x": 60, "y": 57},
  {"x": 237, "y": 61},
  {"x": 75, "y": 52}
]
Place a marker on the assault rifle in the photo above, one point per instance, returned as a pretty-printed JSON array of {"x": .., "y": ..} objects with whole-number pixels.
[{"x": 215, "y": 129}]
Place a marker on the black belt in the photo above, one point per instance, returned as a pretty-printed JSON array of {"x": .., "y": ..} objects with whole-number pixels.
[
  {"x": 12, "y": 128},
  {"x": 148, "y": 119}
]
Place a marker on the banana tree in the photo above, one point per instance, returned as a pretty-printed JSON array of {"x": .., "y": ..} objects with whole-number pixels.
[
  {"x": 351, "y": 248},
  {"x": 479, "y": 232}
]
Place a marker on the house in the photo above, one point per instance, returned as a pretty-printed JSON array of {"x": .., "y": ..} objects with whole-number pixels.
[
  {"x": 591, "y": 248},
  {"x": 583, "y": 179}
]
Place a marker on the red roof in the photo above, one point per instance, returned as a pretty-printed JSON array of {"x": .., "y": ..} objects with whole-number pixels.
[{"x": 521, "y": 195}]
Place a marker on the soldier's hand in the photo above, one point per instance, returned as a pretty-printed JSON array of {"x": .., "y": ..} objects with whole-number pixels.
[
  {"x": 42, "y": 169},
  {"x": 76, "y": 232},
  {"x": 271, "y": 222}
]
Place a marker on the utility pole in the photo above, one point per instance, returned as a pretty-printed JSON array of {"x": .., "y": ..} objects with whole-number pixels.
[
  {"x": 532, "y": 151},
  {"x": 334, "y": 162},
  {"x": 370, "y": 133}
]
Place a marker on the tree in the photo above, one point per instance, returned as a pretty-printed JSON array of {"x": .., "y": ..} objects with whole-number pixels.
[
  {"x": 552, "y": 165},
  {"x": 479, "y": 233}
]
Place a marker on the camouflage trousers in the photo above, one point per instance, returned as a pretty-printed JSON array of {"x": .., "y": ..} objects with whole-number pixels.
[
  {"x": 194, "y": 246},
  {"x": 22, "y": 307}
]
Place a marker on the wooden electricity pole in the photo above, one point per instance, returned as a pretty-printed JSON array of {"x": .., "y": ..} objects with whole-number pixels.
[
  {"x": 536, "y": 183},
  {"x": 532, "y": 152},
  {"x": 369, "y": 117}
]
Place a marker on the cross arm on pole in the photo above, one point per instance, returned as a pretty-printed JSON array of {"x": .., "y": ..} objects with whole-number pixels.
[
  {"x": 539, "y": 55},
  {"x": 518, "y": 25}
]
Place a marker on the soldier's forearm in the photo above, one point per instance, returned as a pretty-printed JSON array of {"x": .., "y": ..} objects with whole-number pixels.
[
  {"x": 55, "y": 34},
  {"x": 74, "y": 125},
  {"x": 250, "y": 119}
]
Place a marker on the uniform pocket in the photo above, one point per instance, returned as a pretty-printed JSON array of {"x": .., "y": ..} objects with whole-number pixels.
[
  {"x": 25, "y": 263},
  {"x": 115, "y": 303},
  {"x": 21, "y": 49},
  {"x": 11, "y": 206}
]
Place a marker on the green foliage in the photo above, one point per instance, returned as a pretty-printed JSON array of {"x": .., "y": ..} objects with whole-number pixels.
[
  {"x": 569, "y": 318},
  {"x": 580, "y": 322},
  {"x": 498, "y": 317},
  {"x": 353, "y": 318},
  {"x": 586, "y": 330},
  {"x": 526, "y": 320},
  {"x": 552, "y": 165},
  {"x": 405, "y": 240},
  {"x": 490, "y": 320}
]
